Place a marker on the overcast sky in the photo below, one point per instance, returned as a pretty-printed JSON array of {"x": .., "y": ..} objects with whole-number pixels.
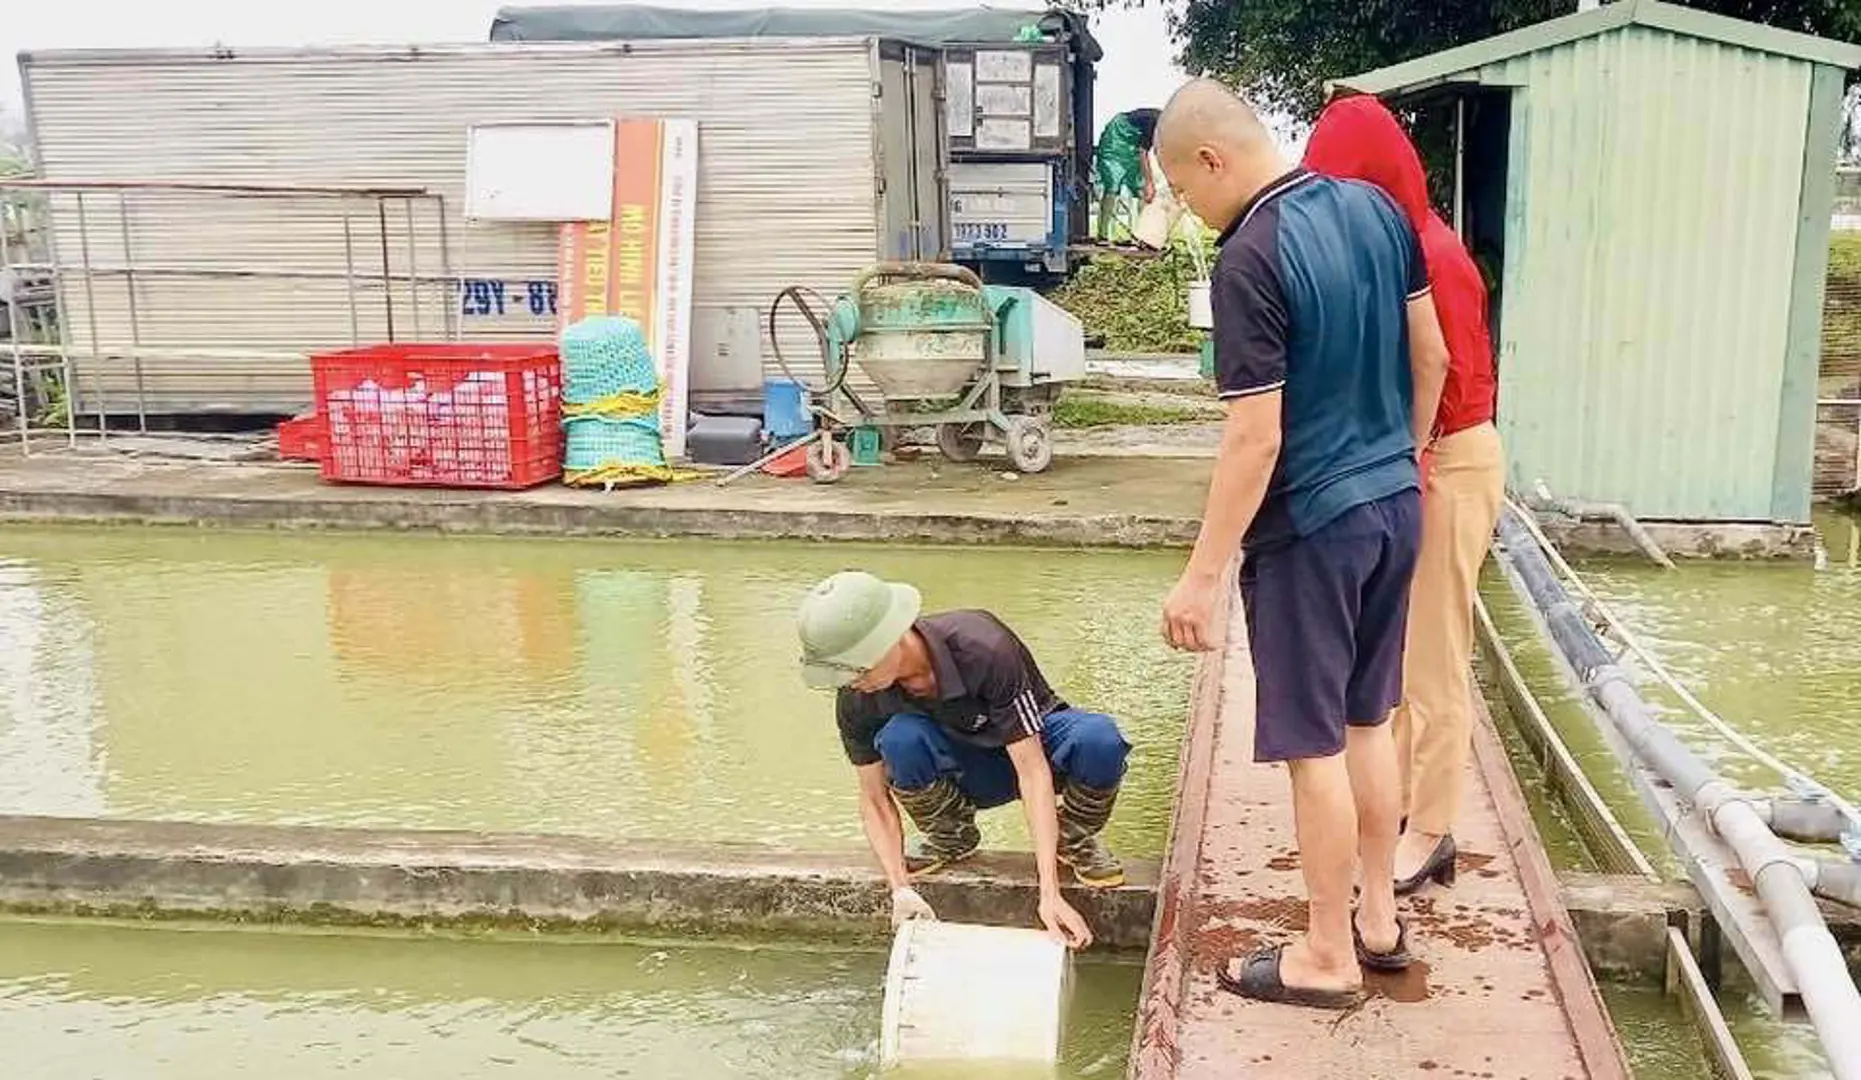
[{"x": 1137, "y": 70}]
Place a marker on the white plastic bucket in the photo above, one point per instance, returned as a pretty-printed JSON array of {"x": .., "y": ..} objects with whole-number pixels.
[
  {"x": 956, "y": 992},
  {"x": 1158, "y": 219},
  {"x": 1153, "y": 226},
  {"x": 1201, "y": 307}
]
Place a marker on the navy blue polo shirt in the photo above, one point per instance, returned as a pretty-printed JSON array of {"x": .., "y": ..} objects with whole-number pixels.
[{"x": 1311, "y": 297}]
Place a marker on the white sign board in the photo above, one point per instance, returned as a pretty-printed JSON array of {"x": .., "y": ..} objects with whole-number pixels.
[{"x": 562, "y": 171}]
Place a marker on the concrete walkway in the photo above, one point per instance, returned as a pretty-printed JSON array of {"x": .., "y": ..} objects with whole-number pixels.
[
  {"x": 1118, "y": 502},
  {"x": 1134, "y": 488},
  {"x": 1501, "y": 990}
]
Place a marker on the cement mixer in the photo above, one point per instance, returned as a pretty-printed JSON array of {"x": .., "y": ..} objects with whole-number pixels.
[{"x": 981, "y": 364}]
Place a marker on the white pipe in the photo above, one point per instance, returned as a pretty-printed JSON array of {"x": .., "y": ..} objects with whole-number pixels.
[
  {"x": 1812, "y": 953},
  {"x": 1616, "y": 512}
]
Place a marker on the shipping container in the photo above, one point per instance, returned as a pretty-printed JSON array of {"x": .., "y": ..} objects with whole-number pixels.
[{"x": 817, "y": 157}]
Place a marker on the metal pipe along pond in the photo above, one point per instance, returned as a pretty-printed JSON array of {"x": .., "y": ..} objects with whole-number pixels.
[{"x": 1810, "y": 951}]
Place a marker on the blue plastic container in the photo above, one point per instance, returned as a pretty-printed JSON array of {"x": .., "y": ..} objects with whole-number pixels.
[{"x": 785, "y": 414}]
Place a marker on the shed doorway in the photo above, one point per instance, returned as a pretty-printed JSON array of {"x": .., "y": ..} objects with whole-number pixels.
[{"x": 1482, "y": 123}]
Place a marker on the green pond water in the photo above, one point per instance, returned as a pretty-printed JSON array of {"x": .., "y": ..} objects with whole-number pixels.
[
  {"x": 104, "y": 1002},
  {"x": 622, "y": 690},
  {"x": 1776, "y": 652}
]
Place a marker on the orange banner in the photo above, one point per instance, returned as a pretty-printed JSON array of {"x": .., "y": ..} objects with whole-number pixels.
[
  {"x": 639, "y": 263},
  {"x": 611, "y": 268}
]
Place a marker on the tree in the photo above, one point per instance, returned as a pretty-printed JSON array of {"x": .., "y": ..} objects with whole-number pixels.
[
  {"x": 15, "y": 156},
  {"x": 1282, "y": 51}
]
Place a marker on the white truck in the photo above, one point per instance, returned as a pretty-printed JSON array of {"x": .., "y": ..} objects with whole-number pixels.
[{"x": 1017, "y": 91}]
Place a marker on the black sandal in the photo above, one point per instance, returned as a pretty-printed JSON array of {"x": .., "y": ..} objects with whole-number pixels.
[
  {"x": 1259, "y": 981},
  {"x": 1391, "y": 962}
]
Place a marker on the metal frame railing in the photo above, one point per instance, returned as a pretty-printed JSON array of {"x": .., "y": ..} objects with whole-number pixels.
[
  {"x": 36, "y": 363},
  {"x": 1840, "y": 362}
]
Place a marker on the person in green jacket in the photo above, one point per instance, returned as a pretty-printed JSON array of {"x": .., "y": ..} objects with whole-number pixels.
[{"x": 1123, "y": 163}]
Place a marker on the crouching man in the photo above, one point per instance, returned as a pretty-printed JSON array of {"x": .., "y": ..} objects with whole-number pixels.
[{"x": 948, "y": 714}]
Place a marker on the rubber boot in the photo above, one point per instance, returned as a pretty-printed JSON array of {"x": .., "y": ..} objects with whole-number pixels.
[
  {"x": 1083, "y": 814},
  {"x": 946, "y": 819}
]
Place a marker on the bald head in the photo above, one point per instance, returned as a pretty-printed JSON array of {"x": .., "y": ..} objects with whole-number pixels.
[
  {"x": 1215, "y": 151},
  {"x": 1205, "y": 111}
]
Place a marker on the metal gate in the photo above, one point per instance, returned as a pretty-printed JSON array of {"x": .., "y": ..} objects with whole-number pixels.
[
  {"x": 117, "y": 299},
  {"x": 1838, "y": 392}
]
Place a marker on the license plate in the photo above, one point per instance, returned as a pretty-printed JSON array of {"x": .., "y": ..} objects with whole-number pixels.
[{"x": 982, "y": 230}]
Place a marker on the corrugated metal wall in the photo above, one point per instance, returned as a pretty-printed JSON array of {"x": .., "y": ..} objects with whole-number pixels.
[
  {"x": 786, "y": 194},
  {"x": 1651, "y": 235}
]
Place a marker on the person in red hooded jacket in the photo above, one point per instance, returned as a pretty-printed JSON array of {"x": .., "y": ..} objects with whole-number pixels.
[{"x": 1463, "y": 487}]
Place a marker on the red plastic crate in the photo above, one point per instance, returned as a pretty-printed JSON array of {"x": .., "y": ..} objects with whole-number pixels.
[
  {"x": 441, "y": 415},
  {"x": 301, "y": 438}
]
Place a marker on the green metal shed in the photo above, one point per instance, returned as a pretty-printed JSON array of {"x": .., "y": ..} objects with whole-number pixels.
[{"x": 1651, "y": 186}]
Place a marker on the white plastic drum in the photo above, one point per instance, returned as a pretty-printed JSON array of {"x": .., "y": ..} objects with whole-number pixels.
[
  {"x": 1201, "y": 306},
  {"x": 956, "y": 992}
]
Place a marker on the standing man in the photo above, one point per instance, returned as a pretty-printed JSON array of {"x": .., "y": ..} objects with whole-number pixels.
[
  {"x": 949, "y": 713},
  {"x": 1330, "y": 360},
  {"x": 1123, "y": 163}
]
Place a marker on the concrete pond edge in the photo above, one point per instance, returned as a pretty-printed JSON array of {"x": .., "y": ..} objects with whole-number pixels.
[
  {"x": 500, "y": 517},
  {"x": 212, "y": 499},
  {"x": 418, "y": 879}
]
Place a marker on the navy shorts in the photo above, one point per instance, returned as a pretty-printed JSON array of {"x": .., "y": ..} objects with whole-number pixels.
[{"x": 1326, "y": 617}]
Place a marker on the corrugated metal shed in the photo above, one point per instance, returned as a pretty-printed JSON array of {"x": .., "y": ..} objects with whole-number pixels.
[
  {"x": 790, "y": 158},
  {"x": 1666, "y": 206}
]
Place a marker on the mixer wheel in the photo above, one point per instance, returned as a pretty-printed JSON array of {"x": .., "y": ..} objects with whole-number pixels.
[
  {"x": 961, "y": 443},
  {"x": 1030, "y": 444},
  {"x": 828, "y": 461}
]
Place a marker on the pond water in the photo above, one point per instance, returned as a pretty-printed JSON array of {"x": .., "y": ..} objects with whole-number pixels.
[
  {"x": 629, "y": 690},
  {"x": 108, "y": 1002},
  {"x": 1775, "y": 650},
  {"x": 614, "y": 689}
]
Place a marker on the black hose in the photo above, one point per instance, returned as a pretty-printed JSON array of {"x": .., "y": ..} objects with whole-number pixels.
[{"x": 810, "y": 303}]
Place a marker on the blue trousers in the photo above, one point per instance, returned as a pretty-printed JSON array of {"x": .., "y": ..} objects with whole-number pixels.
[{"x": 1080, "y": 746}]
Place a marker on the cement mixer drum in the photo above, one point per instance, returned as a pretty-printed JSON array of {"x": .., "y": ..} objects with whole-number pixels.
[{"x": 924, "y": 330}]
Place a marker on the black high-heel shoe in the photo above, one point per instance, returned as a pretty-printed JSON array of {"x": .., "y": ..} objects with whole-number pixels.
[{"x": 1439, "y": 868}]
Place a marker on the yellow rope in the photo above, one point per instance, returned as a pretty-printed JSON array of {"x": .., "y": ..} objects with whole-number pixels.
[
  {"x": 613, "y": 476},
  {"x": 616, "y": 476},
  {"x": 622, "y": 406}
]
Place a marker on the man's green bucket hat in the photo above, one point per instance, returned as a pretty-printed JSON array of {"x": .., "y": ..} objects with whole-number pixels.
[{"x": 848, "y": 623}]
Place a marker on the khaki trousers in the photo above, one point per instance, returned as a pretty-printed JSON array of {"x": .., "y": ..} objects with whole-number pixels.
[{"x": 1461, "y": 498}]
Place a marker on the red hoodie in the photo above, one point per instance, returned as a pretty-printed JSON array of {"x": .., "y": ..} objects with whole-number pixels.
[{"x": 1358, "y": 139}]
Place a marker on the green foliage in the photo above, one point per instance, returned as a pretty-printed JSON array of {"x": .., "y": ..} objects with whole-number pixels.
[
  {"x": 1080, "y": 411},
  {"x": 1284, "y": 50},
  {"x": 55, "y": 410},
  {"x": 1841, "y": 312},
  {"x": 1136, "y": 305},
  {"x": 1845, "y": 259}
]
